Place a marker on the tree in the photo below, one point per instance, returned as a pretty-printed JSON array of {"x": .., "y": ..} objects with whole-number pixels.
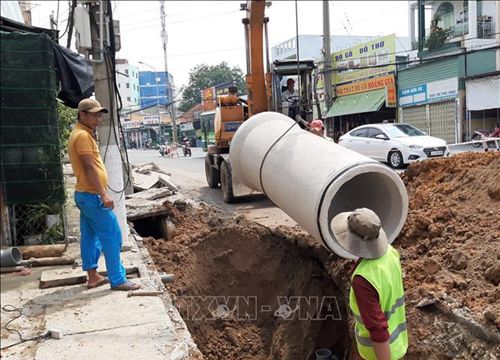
[
  {"x": 67, "y": 117},
  {"x": 203, "y": 76}
]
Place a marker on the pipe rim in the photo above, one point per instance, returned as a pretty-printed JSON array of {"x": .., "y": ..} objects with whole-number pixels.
[{"x": 340, "y": 179}]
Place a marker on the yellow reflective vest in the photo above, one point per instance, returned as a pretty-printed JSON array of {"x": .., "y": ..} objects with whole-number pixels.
[{"x": 384, "y": 274}]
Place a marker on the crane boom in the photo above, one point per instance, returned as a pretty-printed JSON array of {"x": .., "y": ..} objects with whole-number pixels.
[{"x": 255, "y": 78}]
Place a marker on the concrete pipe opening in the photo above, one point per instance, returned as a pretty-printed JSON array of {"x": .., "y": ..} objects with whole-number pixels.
[{"x": 369, "y": 185}]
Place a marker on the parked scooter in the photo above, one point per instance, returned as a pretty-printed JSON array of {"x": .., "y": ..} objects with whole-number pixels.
[
  {"x": 186, "y": 147},
  {"x": 478, "y": 136},
  {"x": 162, "y": 150}
]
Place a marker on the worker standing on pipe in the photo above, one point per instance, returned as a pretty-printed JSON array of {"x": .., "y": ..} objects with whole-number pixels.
[
  {"x": 377, "y": 295},
  {"x": 99, "y": 226}
]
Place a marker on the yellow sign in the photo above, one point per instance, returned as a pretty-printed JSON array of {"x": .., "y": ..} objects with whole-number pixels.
[
  {"x": 366, "y": 85},
  {"x": 364, "y": 60},
  {"x": 390, "y": 96},
  {"x": 208, "y": 99}
]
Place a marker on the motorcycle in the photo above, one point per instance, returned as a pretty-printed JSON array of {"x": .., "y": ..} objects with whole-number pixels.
[
  {"x": 478, "y": 136},
  {"x": 162, "y": 150},
  {"x": 186, "y": 147}
]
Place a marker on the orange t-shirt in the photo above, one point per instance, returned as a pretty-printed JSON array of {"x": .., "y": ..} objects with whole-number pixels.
[{"x": 82, "y": 142}]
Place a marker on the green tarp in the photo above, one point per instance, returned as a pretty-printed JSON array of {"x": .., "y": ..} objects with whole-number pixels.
[{"x": 357, "y": 103}]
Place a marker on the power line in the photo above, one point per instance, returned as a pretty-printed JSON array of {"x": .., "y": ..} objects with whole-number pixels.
[
  {"x": 188, "y": 20},
  {"x": 403, "y": 51},
  {"x": 417, "y": 60}
]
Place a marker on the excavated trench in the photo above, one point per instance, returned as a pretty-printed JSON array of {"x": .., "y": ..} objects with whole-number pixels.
[
  {"x": 233, "y": 276},
  {"x": 246, "y": 292}
]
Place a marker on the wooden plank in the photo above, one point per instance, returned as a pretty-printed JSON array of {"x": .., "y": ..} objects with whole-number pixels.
[
  {"x": 42, "y": 251},
  {"x": 69, "y": 276}
]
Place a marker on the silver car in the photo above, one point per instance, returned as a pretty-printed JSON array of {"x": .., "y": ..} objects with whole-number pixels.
[{"x": 397, "y": 144}]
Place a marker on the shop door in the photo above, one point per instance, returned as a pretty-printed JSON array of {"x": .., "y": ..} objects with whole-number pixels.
[
  {"x": 442, "y": 120},
  {"x": 416, "y": 116}
]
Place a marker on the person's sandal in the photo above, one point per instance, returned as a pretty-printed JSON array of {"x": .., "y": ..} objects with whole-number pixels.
[{"x": 127, "y": 286}]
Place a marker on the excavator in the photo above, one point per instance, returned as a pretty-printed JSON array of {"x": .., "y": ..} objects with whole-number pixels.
[{"x": 264, "y": 91}]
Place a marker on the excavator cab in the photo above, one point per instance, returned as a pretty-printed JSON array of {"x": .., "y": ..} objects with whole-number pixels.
[{"x": 302, "y": 73}]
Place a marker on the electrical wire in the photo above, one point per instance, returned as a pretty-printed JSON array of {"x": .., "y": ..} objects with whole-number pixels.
[
  {"x": 400, "y": 52},
  {"x": 12, "y": 308},
  {"x": 416, "y": 60}
]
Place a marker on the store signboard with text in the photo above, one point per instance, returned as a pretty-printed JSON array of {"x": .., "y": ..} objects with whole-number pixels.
[
  {"x": 365, "y": 60},
  {"x": 365, "y": 85},
  {"x": 434, "y": 91}
]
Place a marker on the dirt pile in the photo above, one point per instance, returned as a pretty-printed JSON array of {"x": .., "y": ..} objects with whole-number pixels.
[
  {"x": 247, "y": 294},
  {"x": 450, "y": 250},
  {"x": 236, "y": 280}
]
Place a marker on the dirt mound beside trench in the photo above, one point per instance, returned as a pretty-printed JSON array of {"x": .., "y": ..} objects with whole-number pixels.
[
  {"x": 450, "y": 256},
  {"x": 450, "y": 249}
]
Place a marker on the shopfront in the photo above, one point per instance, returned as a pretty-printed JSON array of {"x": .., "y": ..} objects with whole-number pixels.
[
  {"x": 432, "y": 107},
  {"x": 365, "y": 87},
  {"x": 362, "y": 102},
  {"x": 482, "y": 103}
]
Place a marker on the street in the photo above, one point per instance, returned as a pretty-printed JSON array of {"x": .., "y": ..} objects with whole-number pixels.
[{"x": 189, "y": 174}]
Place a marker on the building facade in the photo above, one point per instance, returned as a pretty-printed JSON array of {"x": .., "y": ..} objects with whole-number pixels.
[
  {"x": 364, "y": 85},
  {"x": 127, "y": 77},
  {"x": 154, "y": 87},
  {"x": 452, "y": 85}
]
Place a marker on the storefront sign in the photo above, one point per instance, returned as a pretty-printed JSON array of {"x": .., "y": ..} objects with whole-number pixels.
[
  {"x": 208, "y": 99},
  {"x": 390, "y": 96},
  {"x": 127, "y": 125},
  {"x": 187, "y": 126},
  {"x": 427, "y": 93},
  {"x": 366, "y": 85},
  {"x": 364, "y": 60},
  {"x": 151, "y": 120}
]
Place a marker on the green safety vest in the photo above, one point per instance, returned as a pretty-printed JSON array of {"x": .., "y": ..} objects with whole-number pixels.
[{"x": 384, "y": 274}]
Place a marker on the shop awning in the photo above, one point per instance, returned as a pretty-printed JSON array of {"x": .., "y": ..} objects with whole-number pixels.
[
  {"x": 483, "y": 94},
  {"x": 357, "y": 103}
]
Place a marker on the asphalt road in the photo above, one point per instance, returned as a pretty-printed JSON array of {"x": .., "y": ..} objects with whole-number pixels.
[{"x": 189, "y": 174}]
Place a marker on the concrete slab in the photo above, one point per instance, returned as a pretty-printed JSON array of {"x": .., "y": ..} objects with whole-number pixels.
[{"x": 151, "y": 194}]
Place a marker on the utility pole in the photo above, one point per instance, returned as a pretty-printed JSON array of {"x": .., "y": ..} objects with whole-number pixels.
[
  {"x": 327, "y": 55},
  {"x": 169, "y": 84},
  {"x": 109, "y": 146}
]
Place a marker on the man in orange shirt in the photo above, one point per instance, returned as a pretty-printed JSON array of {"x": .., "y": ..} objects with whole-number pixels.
[{"x": 99, "y": 227}]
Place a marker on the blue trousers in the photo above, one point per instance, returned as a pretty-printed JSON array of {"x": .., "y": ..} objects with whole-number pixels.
[{"x": 100, "y": 231}]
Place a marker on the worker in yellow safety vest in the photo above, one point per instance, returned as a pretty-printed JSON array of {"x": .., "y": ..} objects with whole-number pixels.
[{"x": 376, "y": 297}]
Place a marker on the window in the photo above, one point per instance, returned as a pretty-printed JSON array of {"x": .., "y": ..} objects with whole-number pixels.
[
  {"x": 119, "y": 85},
  {"x": 126, "y": 71},
  {"x": 373, "y": 132},
  {"x": 445, "y": 13},
  {"x": 127, "y": 85},
  {"x": 128, "y": 98},
  {"x": 360, "y": 133}
]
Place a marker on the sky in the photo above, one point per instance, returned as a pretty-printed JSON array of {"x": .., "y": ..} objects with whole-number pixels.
[{"x": 209, "y": 32}]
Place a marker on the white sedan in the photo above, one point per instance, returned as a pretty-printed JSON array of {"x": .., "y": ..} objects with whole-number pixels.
[{"x": 397, "y": 144}]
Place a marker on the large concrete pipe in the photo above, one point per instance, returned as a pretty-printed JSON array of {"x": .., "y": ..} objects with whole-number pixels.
[{"x": 312, "y": 179}]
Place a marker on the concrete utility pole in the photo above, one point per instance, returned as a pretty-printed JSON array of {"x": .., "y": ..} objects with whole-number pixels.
[
  {"x": 327, "y": 55},
  {"x": 169, "y": 84},
  {"x": 497, "y": 31},
  {"x": 105, "y": 93}
]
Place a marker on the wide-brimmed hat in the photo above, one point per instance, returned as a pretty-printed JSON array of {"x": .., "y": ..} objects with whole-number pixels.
[
  {"x": 91, "y": 105},
  {"x": 360, "y": 233}
]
